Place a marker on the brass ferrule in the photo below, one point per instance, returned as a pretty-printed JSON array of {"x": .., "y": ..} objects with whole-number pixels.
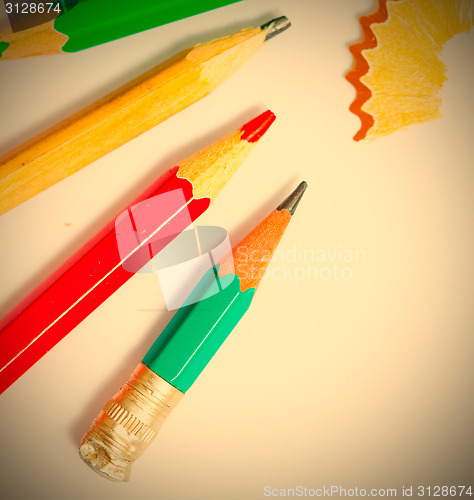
[{"x": 128, "y": 424}]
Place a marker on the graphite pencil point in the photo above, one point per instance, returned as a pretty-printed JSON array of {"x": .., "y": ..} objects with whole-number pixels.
[
  {"x": 275, "y": 27},
  {"x": 292, "y": 201},
  {"x": 250, "y": 257}
]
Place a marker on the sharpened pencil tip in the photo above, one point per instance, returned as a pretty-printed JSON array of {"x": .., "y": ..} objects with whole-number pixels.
[
  {"x": 275, "y": 27},
  {"x": 255, "y": 128},
  {"x": 292, "y": 201}
]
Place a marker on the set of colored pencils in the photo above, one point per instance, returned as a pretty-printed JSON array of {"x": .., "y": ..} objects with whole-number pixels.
[{"x": 131, "y": 419}]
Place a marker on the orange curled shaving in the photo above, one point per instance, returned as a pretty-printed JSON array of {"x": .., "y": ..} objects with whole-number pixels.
[{"x": 361, "y": 67}]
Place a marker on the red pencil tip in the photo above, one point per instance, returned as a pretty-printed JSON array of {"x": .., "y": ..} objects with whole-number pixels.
[{"x": 255, "y": 128}]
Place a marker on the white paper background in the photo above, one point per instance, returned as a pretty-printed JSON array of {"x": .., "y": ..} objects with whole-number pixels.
[{"x": 363, "y": 382}]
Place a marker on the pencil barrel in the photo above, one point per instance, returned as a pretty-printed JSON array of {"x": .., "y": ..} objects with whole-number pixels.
[{"x": 128, "y": 423}]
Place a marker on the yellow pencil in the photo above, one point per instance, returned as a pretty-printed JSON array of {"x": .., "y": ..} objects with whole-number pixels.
[{"x": 126, "y": 113}]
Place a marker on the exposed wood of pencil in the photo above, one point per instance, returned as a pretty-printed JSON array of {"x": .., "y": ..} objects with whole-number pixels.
[
  {"x": 249, "y": 259},
  {"x": 210, "y": 169},
  {"x": 36, "y": 41},
  {"x": 121, "y": 116}
]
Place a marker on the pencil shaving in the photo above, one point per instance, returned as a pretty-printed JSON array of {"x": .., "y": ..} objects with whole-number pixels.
[{"x": 398, "y": 73}]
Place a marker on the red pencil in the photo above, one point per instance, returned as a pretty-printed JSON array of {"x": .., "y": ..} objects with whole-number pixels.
[{"x": 97, "y": 270}]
